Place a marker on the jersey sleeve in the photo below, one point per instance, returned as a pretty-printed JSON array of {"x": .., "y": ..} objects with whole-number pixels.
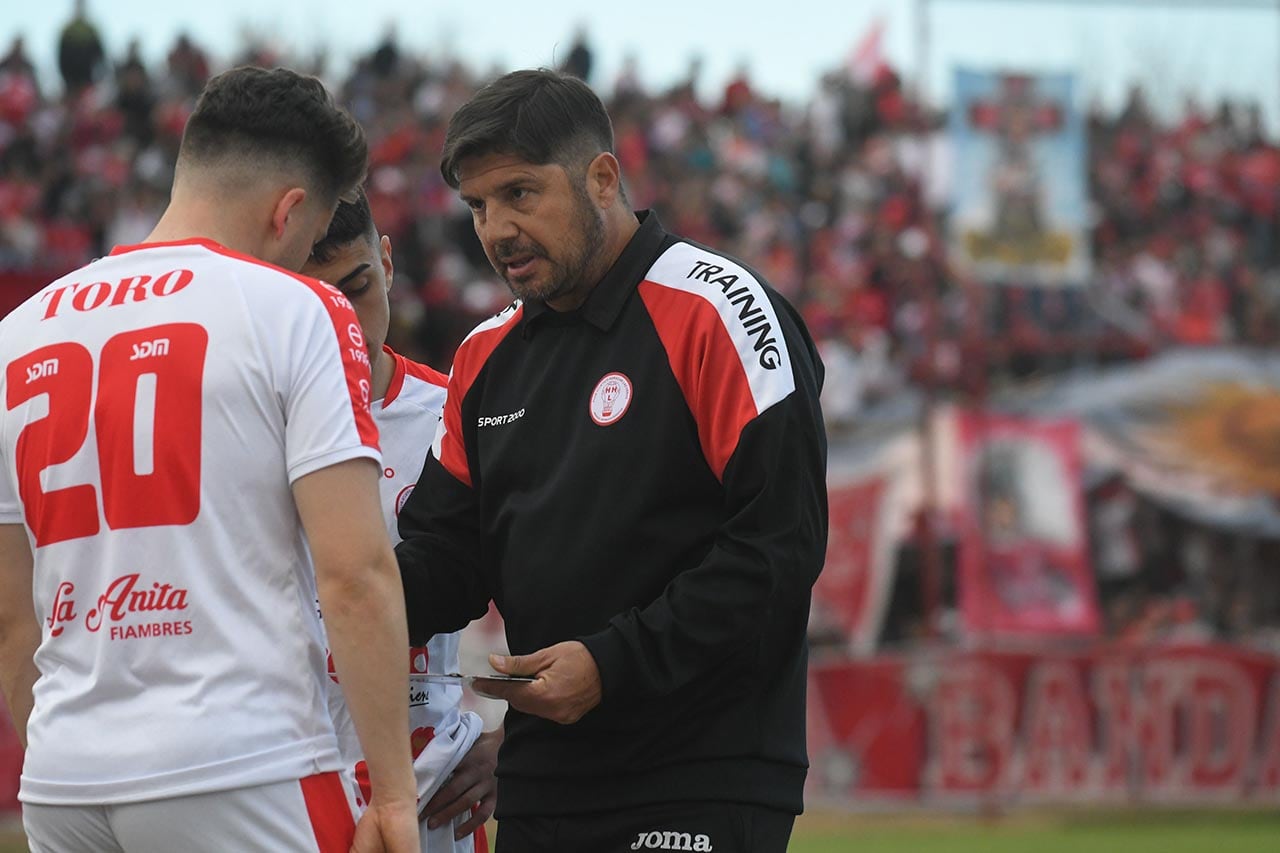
[
  {"x": 326, "y": 401},
  {"x": 760, "y": 425}
]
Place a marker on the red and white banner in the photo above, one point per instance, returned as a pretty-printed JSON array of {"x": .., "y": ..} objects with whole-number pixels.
[
  {"x": 866, "y": 59},
  {"x": 871, "y": 505},
  {"x": 1024, "y": 553},
  {"x": 1180, "y": 724},
  {"x": 1187, "y": 724}
]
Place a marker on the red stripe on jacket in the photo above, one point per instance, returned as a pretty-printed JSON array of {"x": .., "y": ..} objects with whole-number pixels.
[
  {"x": 706, "y": 366},
  {"x": 467, "y": 364}
]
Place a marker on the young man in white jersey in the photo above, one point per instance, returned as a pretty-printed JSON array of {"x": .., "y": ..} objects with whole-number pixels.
[
  {"x": 187, "y": 464},
  {"x": 453, "y": 758}
]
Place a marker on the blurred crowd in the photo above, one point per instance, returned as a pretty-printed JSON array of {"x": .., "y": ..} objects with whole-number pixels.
[
  {"x": 833, "y": 201},
  {"x": 826, "y": 199}
]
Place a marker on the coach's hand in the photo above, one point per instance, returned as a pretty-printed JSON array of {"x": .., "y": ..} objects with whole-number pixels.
[
  {"x": 390, "y": 827},
  {"x": 470, "y": 786},
  {"x": 567, "y": 683}
]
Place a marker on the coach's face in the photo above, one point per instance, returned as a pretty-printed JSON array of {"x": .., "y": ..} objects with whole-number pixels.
[
  {"x": 362, "y": 270},
  {"x": 539, "y": 225}
]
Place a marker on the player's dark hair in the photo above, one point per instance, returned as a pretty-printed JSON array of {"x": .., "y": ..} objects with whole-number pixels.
[
  {"x": 541, "y": 116},
  {"x": 351, "y": 221},
  {"x": 278, "y": 119}
]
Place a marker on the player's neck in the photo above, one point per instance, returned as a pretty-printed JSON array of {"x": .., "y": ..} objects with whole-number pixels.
[
  {"x": 381, "y": 368},
  {"x": 184, "y": 220},
  {"x": 200, "y": 211}
]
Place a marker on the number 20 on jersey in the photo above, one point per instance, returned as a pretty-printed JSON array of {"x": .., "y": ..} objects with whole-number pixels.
[{"x": 146, "y": 415}]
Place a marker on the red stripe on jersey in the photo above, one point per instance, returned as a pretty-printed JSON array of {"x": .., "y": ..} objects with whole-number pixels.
[
  {"x": 402, "y": 367},
  {"x": 330, "y": 814},
  {"x": 706, "y": 366},
  {"x": 481, "y": 840},
  {"x": 467, "y": 364},
  {"x": 350, "y": 339},
  {"x": 425, "y": 373}
]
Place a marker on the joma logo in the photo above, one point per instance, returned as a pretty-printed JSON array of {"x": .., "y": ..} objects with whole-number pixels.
[
  {"x": 671, "y": 841},
  {"x": 48, "y": 367},
  {"x": 146, "y": 349}
]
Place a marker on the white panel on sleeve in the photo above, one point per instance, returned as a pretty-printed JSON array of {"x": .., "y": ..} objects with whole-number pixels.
[{"x": 745, "y": 310}]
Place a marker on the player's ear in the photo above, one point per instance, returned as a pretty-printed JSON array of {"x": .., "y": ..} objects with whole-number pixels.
[
  {"x": 388, "y": 268},
  {"x": 287, "y": 204}
]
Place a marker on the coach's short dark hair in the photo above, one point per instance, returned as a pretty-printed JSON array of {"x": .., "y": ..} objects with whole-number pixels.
[
  {"x": 351, "y": 221},
  {"x": 541, "y": 116},
  {"x": 278, "y": 118}
]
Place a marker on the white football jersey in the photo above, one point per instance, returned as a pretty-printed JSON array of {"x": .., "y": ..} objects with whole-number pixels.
[
  {"x": 440, "y": 732},
  {"x": 157, "y": 406}
]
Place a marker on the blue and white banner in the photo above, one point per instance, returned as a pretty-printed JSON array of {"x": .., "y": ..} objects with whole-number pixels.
[{"x": 1019, "y": 199}]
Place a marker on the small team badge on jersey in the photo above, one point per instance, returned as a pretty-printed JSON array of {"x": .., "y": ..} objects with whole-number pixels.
[
  {"x": 610, "y": 399},
  {"x": 403, "y": 498}
]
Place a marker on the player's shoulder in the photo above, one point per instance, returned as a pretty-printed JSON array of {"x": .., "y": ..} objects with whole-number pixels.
[
  {"x": 260, "y": 283},
  {"x": 287, "y": 283},
  {"x": 414, "y": 384},
  {"x": 423, "y": 374}
]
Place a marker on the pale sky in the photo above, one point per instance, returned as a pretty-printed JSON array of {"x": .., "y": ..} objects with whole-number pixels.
[{"x": 1173, "y": 47}]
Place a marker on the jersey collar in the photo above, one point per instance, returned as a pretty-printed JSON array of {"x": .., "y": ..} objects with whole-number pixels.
[
  {"x": 190, "y": 241},
  {"x": 397, "y": 376}
]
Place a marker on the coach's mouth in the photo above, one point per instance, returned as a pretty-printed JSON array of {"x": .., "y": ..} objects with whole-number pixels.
[{"x": 519, "y": 267}]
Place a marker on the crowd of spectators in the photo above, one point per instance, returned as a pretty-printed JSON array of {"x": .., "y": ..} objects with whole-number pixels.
[
  {"x": 826, "y": 199},
  {"x": 830, "y": 200}
]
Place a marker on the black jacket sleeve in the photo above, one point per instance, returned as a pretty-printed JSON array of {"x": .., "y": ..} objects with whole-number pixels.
[
  {"x": 766, "y": 557},
  {"x": 440, "y": 555}
]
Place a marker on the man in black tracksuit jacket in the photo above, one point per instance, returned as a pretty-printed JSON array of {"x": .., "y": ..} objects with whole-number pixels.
[{"x": 631, "y": 464}]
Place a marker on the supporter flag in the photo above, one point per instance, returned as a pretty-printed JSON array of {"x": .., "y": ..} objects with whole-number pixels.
[
  {"x": 1193, "y": 430},
  {"x": 1023, "y": 557},
  {"x": 867, "y": 57},
  {"x": 1019, "y": 195},
  {"x": 870, "y": 507}
]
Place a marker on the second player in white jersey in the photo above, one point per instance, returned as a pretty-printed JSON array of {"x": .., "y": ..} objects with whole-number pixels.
[
  {"x": 440, "y": 732},
  {"x": 408, "y": 399}
]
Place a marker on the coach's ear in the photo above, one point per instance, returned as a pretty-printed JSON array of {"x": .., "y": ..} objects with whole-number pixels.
[{"x": 604, "y": 180}]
